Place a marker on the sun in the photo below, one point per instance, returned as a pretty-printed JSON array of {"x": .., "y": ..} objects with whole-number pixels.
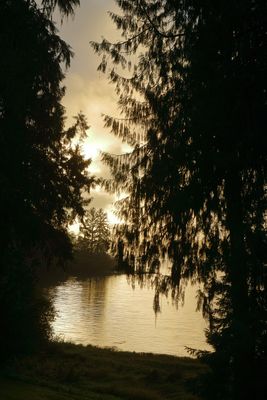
[
  {"x": 112, "y": 218},
  {"x": 90, "y": 150}
]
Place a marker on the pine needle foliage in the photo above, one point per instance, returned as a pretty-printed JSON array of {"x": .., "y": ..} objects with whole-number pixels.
[
  {"x": 43, "y": 174},
  {"x": 194, "y": 110},
  {"x": 94, "y": 232}
]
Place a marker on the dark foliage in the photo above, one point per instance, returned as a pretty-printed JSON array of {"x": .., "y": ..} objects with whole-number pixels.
[
  {"x": 42, "y": 173},
  {"x": 194, "y": 110},
  {"x": 94, "y": 232}
]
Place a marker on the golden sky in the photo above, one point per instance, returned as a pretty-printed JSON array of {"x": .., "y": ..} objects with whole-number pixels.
[{"x": 88, "y": 90}]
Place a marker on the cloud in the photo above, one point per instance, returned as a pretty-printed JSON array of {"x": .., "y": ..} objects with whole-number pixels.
[
  {"x": 101, "y": 200},
  {"x": 88, "y": 90}
]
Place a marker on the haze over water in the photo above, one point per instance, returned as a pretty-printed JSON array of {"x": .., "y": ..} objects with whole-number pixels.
[{"x": 106, "y": 311}]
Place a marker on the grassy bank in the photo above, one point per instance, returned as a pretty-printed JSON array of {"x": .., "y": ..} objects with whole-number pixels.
[{"x": 69, "y": 372}]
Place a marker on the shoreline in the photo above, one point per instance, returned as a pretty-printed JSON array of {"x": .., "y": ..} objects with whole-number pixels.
[
  {"x": 66, "y": 371},
  {"x": 82, "y": 266}
]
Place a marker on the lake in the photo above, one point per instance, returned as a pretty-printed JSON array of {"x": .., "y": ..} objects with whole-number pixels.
[{"x": 108, "y": 312}]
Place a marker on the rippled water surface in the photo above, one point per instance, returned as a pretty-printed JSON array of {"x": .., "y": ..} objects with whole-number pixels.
[{"x": 107, "y": 311}]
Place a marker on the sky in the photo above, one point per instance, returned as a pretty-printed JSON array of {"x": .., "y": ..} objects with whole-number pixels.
[{"x": 88, "y": 90}]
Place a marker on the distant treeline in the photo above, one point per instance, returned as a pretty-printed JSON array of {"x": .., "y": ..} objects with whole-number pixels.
[{"x": 83, "y": 265}]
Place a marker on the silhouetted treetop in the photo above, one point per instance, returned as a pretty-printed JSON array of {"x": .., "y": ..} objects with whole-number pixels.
[{"x": 94, "y": 232}]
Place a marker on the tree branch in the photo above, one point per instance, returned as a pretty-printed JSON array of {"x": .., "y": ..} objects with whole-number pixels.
[{"x": 163, "y": 34}]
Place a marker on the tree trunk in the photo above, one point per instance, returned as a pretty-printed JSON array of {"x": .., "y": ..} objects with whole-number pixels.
[{"x": 242, "y": 349}]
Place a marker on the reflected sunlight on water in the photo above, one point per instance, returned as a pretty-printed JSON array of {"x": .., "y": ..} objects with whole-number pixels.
[{"x": 106, "y": 311}]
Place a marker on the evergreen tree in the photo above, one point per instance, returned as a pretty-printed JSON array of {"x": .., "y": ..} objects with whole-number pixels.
[
  {"x": 195, "y": 114},
  {"x": 42, "y": 173},
  {"x": 95, "y": 232},
  {"x": 103, "y": 230}
]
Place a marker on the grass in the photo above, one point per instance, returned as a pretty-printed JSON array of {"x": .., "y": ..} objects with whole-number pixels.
[{"x": 69, "y": 372}]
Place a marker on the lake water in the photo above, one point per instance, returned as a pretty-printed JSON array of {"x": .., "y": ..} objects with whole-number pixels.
[{"x": 108, "y": 312}]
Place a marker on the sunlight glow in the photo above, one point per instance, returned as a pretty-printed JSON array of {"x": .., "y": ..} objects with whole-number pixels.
[
  {"x": 94, "y": 168},
  {"x": 90, "y": 150},
  {"x": 74, "y": 228},
  {"x": 120, "y": 196},
  {"x": 112, "y": 218}
]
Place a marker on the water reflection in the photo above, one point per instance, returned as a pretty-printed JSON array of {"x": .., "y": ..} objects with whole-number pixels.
[{"x": 106, "y": 311}]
